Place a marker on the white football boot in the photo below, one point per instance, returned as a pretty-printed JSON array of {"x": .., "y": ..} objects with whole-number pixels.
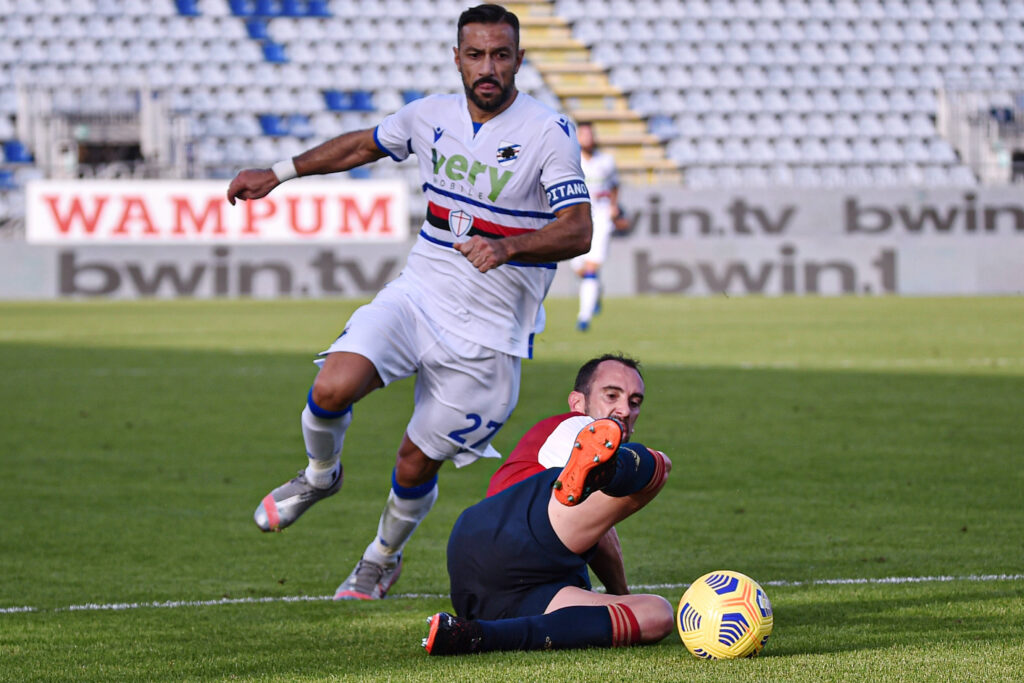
[
  {"x": 285, "y": 504},
  {"x": 369, "y": 580}
]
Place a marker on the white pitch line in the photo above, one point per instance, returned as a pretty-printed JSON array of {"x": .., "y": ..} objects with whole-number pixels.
[
  {"x": 171, "y": 604},
  {"x": 850, "y": 582}
]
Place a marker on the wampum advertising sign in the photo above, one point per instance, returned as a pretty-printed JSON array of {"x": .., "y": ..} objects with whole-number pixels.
[
  {"x": 128, "y": 239},
  {"x": 163, "y": 212},
  {"x": 330, "y": 237}
]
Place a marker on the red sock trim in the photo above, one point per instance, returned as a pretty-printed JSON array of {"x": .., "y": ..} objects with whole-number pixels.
[
  {"x": 625, "y": 627},
  {"x": 659, "y": 472}
]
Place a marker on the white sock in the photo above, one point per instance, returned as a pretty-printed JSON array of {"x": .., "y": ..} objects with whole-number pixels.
[
  {"x": 400, "y": 518},
  {"x": 321, "y": 474},
  {"x": 590, "y": 290},
  {"x": 324, "y": 438}
]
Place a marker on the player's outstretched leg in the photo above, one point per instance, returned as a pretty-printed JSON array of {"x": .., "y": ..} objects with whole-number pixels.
[
  {"x": 592, "y": 462},
  {"x": 612, "y": 625}
]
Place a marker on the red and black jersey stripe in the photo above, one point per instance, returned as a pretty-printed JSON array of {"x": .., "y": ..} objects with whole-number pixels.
[{"x": 437, "y": 216}]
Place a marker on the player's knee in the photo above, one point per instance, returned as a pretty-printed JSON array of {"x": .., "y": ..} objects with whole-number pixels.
[
  {"x": 414, "y": 470},
  {"x": 658, "y": 619},
  {"x": 331, "y": 393}
]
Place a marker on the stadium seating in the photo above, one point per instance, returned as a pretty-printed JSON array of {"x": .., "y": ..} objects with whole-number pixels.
[
  {"x": 254, "y": 79},
  {"x": 805, "y": 92},
  {"x": 854, "y": 81}
]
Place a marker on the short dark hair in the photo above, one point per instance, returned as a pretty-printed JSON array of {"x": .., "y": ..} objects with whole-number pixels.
[
  {"x": 585, "y": 377},
  {"x": 488, "y": 14}
]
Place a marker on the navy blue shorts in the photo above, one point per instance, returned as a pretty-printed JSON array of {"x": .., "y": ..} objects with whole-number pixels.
[{"x": 504, "y": 559}]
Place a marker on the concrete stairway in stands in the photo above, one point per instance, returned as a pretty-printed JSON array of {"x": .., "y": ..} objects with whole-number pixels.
[{"x": 587, "y": 95}]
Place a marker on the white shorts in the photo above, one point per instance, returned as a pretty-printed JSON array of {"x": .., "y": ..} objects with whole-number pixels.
[
  {"x": 464, "y": 392},
  {"x": 603, "y": 227}
]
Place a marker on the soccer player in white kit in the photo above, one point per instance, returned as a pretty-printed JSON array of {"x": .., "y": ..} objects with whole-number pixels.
[
  {"x": 603, "y": 183},
  {"x": 507, "y": 200}
]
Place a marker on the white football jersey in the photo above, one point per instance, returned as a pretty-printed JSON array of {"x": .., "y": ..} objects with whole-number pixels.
[
  {"x": 506, "y": 179},
  {"x": 557, "y": 447},
  {"x": 599, "y": 172}
]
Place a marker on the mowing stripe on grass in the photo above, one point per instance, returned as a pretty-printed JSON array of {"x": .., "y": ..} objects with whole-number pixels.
[{"x": 117, "y": 606}]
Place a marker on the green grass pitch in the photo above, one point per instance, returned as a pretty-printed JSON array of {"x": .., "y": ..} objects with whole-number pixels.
[{"x": 821, "y": 445}]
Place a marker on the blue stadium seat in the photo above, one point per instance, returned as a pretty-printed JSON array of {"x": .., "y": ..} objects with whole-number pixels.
[
  {"x": 362, "y": 100},
  {"x": 337, "y": 100},
  {"x": 273, "y": 125},
  {"x": 241, "y": 8},
  {"x": 318, "y": 8},
  {"x": 267, "y": 8},
  {"x": 257, "y": 28},
  {"x": 187, "y": 8},
  {"x": 293, "y": 8},
  {"x": 274, "y": 52},
  {"x": 7, "y": 181},
  {"x": 16, "y": 153}
]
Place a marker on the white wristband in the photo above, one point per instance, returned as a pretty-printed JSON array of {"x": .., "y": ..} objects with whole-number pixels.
[{"x": 284, "y": 170}]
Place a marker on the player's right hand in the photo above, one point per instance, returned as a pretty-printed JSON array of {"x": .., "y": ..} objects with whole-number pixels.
[
  {"x": 252, "y": 183},
  {"x": 485, "y": 254}
]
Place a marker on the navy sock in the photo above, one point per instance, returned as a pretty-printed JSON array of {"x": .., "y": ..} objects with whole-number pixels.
[
  {"x": 569, "y": 627},
  {"x": 634, "y": 467}
]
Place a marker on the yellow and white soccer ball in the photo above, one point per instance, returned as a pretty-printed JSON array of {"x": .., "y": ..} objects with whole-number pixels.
[{"x": 724, "y": 615}]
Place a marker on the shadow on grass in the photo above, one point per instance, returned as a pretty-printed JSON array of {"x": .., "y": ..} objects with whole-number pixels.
[{"x": 926, "y": 616}]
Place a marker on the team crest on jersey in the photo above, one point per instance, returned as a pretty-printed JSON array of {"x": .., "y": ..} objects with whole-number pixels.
[
  {"x": 460, "y": 222},
  {"x": 508, "y": 152}
]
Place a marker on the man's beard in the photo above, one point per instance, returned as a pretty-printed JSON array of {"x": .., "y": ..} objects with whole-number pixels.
[
  {"x": 492, "y": 105},
  {"x": 626, "y": 431}
]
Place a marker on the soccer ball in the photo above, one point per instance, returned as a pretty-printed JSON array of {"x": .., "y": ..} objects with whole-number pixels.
[{"x": 724, "y": 615}]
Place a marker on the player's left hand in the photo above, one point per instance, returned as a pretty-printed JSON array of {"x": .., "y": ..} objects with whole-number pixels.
[{"x": 483, "y": 253}]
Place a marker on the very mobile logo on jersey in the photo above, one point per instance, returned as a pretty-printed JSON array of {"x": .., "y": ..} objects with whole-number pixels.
[{"x": 470, "y": 177}]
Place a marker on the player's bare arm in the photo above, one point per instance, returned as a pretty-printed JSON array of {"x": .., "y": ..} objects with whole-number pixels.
[
  {"x": 563, "y": 238},
  {"x": 607, "y": 564},
  {"x": 342, "y": 153}
]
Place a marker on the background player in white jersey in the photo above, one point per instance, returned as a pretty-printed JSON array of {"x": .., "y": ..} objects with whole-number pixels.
[
  {"x": 603, "y": 184},
  {"x": 506, "y": 200}
]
